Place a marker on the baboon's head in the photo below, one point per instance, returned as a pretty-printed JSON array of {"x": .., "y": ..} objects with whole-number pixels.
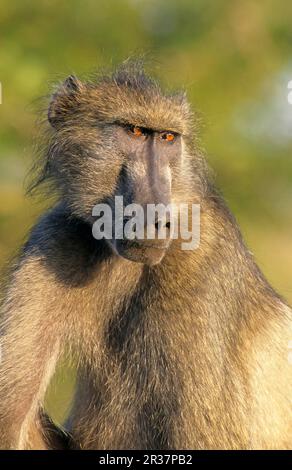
[{"x": 121, "y": 136}]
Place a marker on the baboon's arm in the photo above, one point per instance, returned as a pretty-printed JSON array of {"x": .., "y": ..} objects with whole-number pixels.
[
  {"x": 47, "y": 435},
  {"x": 30, "y": 346}
]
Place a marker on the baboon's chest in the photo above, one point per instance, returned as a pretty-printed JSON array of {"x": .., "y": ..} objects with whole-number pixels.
[{"x": 141, "y": 389}]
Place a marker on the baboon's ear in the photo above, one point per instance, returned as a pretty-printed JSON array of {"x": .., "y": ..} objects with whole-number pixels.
[{"x": 64, "y": 101}]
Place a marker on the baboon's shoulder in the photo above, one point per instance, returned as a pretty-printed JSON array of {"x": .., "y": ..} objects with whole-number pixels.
[{"x": 65, "y": 245}]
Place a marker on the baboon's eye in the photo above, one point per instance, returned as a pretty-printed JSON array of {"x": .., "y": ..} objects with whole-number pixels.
[
  {"x": 167, "y": 136},
  {"x": 136, "y": 131}
]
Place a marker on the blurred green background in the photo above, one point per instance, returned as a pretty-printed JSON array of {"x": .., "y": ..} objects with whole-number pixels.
[{"x": 234, "y": 58}]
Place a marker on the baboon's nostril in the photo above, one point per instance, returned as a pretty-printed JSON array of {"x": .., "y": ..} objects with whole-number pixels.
[{"x": 157, "y": 225}]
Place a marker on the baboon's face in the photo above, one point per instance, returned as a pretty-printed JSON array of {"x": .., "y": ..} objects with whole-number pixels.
[
  {"x": 149, "y": 157},
  {"x": 114, "y": 140}
]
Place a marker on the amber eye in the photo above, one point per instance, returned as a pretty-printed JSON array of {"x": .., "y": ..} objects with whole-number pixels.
[
  {"x": 167, "y": 136},
  {"x": 137, "y": 131}
]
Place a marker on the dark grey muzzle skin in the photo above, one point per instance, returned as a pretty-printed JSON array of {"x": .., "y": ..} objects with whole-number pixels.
[{"x": 145, "y": 179}]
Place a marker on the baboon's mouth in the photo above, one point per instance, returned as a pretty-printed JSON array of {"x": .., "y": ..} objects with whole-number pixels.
[
  {"x": 146, "y": 252},
  {"x": 145, "y": 244}
]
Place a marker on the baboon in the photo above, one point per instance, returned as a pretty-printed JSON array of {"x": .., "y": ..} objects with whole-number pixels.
[{"x": 175, "y": 349}]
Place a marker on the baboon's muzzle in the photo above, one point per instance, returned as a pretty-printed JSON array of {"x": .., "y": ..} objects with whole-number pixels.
[{"x": 146, "y": 189}]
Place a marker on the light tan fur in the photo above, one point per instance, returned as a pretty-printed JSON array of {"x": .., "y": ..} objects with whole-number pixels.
[{"x": 190, "y": 353}]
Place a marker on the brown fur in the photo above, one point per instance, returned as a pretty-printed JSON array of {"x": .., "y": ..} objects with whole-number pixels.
[{"x": 191, "y": 353}]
